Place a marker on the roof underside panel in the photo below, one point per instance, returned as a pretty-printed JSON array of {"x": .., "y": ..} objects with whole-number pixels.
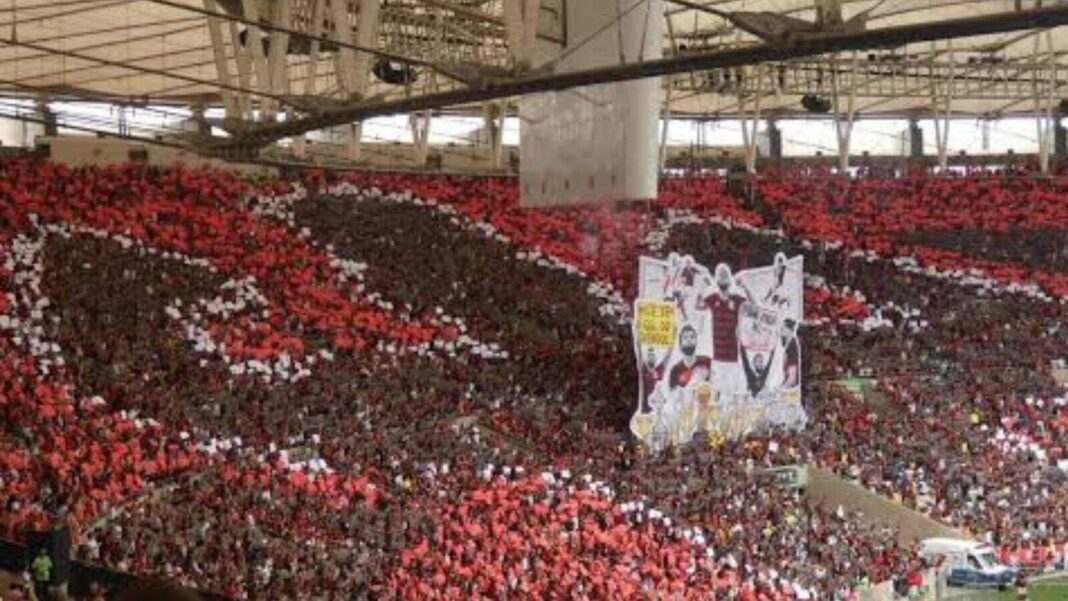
[{"x": 143, "y": 51}]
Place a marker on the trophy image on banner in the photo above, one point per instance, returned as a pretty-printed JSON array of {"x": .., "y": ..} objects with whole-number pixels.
[{"x": 718, "y": 352}]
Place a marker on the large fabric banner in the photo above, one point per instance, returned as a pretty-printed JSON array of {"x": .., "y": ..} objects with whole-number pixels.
[{"x": 718, "y": 352}]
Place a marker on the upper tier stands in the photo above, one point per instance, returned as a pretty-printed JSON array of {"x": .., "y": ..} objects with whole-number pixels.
[{"x": 407, "y": 387}]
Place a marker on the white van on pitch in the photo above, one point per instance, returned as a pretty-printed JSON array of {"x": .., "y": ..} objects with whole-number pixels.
[{"x": 970, "y": 564}]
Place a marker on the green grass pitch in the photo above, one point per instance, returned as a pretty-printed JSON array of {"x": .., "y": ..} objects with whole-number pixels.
[{"x": 1043, "y": 590}]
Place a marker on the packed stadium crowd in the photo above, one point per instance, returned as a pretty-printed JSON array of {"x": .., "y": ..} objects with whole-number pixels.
[{"x": 385, "y": 386}]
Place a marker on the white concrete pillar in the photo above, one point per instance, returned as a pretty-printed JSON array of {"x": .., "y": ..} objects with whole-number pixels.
[{"x": 596, "y": 143}]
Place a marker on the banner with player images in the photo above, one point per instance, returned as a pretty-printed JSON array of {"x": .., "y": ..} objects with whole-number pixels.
[{"x": 718, "y": 352}]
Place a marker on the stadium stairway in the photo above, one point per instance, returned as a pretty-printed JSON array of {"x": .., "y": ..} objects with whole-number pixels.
[{"x": 830, "y": 490}]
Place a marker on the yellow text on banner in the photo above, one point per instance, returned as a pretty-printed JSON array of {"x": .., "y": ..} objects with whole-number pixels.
[{"x": 656, "y": 323}]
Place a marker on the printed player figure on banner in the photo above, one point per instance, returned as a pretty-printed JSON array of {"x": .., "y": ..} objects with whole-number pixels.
[
  {"x": 660, "y": 432},
  {"x": 717, "y": 351},
  {"x": 723, "y": 303}
]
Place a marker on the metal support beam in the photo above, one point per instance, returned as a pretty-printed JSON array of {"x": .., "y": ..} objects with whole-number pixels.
[
  {"x": 664, "y": 127},
  {"x": 244, "y": 72},
  {"x": 992, "y": 80},
  {"x": 538, "y": 82},
  {"x": 222, "y": 65},
  {"x": 250, "y": 22},
  {"x": 278, "y": 56},
  {"x": 353, "y": 71},
  {"x": 750, "y": 126},
  {"x": 317, "y": 14},
  {"x": 345, "y": 68},
  {"x": 366, "y": 37},
  {"x": 909, "y": 77},
  {"x": 1044, "y": 114},
  {"x": 942, "y": 104},
  {"x": 667, "y": 98},
  {"x": 844, "y": 118},
  {"x": 420, "y": 124},
  {"x": 254, "y": 46},
  {"x": 279, "y": 49},
  {"x": 828, "y": 13},
  {"x": 479, "y": 16},
  {"x": 345, "y": 58}
]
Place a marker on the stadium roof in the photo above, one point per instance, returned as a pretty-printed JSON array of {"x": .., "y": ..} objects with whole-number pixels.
[
  {"x": 161, "y": 51},
  {"x": 993, "y": 73}
]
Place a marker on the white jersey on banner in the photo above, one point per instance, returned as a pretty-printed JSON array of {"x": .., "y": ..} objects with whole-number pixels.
[{"x": 717, "y": 352}]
